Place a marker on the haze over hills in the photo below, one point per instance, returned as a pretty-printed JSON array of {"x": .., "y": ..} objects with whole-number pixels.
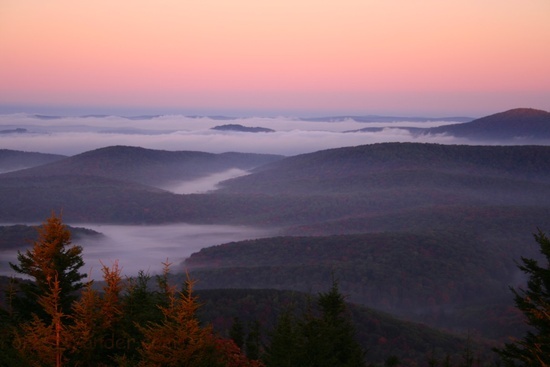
[
  {"x": 68, "y": 135},
  {"x": 146, "y": 166},
  {"x": 11, "y": 160},
  {"x": 426, "y": 231},
  {"x": 516, "y": 124}
]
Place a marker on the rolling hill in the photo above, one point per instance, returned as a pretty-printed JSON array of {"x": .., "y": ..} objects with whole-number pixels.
[
  {"x": 520, "y": 125},
  {"x": 146, "y": 166},
  {"x": 13, "y": 160},
  {"x": 429, "y": 232}
]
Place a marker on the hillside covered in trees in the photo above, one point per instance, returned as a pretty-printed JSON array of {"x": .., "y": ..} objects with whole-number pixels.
[{"x": 423, "y": 239}]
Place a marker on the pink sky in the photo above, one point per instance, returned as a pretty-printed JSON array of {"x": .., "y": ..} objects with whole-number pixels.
[{"x": 430, "y": 57}]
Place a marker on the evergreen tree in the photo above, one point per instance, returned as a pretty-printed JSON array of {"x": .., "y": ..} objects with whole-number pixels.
[
  {"x": 52, "y": 255},
  {"x": 43, "y": 343},
  {"x": 236, "y": 333},
  {"x": 316, "y": 341},
  {"x": 179, "y": 339},
  {"x": 286, "y": 342},
  {"x": 253, "y": 341},
  {"x": 96, "y": 331},
  {"x": 335, "y": 334},
  {"x": 534, "y": 302}
]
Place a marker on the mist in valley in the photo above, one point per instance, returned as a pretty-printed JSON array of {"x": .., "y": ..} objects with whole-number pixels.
[
  {"x": 145, "y": 247},
  {"x": 74, "y": 135},
  {"x": 203, "y": 184}
]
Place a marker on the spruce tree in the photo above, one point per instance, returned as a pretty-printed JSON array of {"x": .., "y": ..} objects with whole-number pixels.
[
  {"x": 285, "y": 347},
  {"x": 52, "y": 255},
  {"x": 319, "y": 339},
  {"x": 43, "y": 343},
  {"x": 179, "y": 339},
  {"x": 534, "y": 348},
  {"x": 236, "y": 333},
  {"x": 330, "y": 339}
]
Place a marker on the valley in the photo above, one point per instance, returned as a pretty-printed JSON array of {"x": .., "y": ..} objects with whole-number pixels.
[{"x": 422, "y": 233}]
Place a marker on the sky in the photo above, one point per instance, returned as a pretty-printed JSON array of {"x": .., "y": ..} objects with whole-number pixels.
[{"x": 266, "y": 57}]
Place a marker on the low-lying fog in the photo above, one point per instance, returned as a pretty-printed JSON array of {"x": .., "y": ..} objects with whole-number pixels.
[
  {"x": 74, "y": 135},
  {"x": 204, "y": 184},
  {"x": 146, "y": 247}
]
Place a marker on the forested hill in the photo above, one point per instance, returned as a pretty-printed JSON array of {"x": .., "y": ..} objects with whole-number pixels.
[
  {"x": 13, "y": 160},
  {"x": 394, "y": 164},
  {"x": 446, "y": 279},
  {"x": 146, "y": 166},
  {"x": 336, "y": 185},
  {"x": 518, "y": 124}
]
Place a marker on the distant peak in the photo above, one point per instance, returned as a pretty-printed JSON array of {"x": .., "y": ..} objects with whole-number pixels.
[{"x": 523, "y": 112}]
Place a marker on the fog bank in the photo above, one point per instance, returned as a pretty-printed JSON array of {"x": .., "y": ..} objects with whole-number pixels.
[
  {"x": 204, "y": 184},
  {"x": 146, "y": 247},
  {"x": 74, "y": 135}
]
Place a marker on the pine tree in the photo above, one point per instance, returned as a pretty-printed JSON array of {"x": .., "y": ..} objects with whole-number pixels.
[
  {"x": 179, "y": 339},
  {"x": 332, "y": 335},
  {"x": 284, "y": 349},
  {"x": 236, "y": 333},
  {"x": 534, "y": 302},
  {"x": 96, "y": 333},
  {"x": 315, "y": 340},
  {"x": 43, "y": 343},
  {"x": 253, "y": 341},
  {"x": 84, "y": 330},
  {"x": 52, "y": 255}
]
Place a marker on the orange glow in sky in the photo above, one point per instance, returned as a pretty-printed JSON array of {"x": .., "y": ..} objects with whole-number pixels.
[{"x": 436, "y": 57}]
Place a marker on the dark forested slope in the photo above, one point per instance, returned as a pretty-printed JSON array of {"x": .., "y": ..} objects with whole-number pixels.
[
  {"x": 13, "y": 160},
  {"x": 328, "y": 186},
  {"x": 147, "y": 166},
  {"x": 518, "y": 124},
  {"x": 434, "y": 277}
]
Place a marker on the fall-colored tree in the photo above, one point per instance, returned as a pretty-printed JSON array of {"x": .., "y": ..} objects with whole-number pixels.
[
  {"x": 179, "y": 339},
  {"x": 52, "y": 255},
  {"x": 230, "y": 355},
  {"x": 84, "y": 329},
  {"x": 534, "y": 348},
  {"x": 43, "y": 343},
  {"x": 95, "y": 330}
]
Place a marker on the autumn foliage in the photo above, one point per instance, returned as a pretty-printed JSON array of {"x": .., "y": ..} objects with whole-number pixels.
[{"x": 76, "y": 324}]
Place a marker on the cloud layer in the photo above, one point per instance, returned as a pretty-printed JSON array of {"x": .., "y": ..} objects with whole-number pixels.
[{"x": 73, "y": 135}]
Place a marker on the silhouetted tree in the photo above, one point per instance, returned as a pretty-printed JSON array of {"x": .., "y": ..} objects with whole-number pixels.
[
  {"x": 316, "y": 341},
  {"x": 179, "y": 339},
  {"x": 253, "y": 341},
  {"x": 284, "y": 349},
  {"x": 52, "y": 255},
  {"x": 40, "y": 342},
  {"x": 534, "y": 302},
  {"x": 236, "y": 333}
]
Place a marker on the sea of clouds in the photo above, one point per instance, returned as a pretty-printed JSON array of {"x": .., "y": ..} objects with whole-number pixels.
[
  {"x": 74, "y": 135},
  {"x": 146, "y": 247}
]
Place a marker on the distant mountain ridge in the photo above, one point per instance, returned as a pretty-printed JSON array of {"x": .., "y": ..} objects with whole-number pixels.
[
  {"x": 519, "y": 123},
  {"x": 146, "y": 166},
  {"x": 379, "y": 118},
  {"x": 13, "y": 160},
  {"x": 241, "y": 128}
]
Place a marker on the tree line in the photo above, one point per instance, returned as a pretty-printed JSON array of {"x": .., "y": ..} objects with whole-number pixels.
[{"x": 56, "y": 318}]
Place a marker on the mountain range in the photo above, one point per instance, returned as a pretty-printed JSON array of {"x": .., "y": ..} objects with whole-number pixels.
[{"x": 427, "y": 232}]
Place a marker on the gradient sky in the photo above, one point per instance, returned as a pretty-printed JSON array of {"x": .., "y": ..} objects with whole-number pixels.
[{"x": 407, "y": 57}]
